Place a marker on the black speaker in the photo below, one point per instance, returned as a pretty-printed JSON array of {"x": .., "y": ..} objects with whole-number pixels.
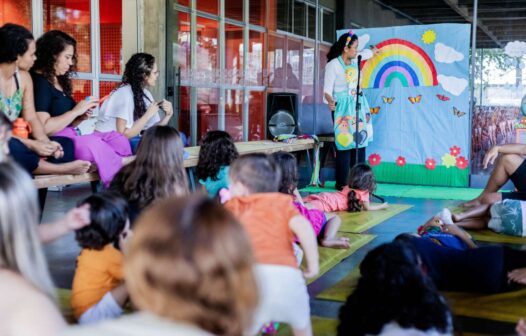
[{"x": 282, "y": 114}]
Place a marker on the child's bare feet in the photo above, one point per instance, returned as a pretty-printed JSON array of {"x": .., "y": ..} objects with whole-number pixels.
[
  {"x": 339, "y": 242},
  {"x": 76, "y": 167},
  {"x": 92, "y": 168}
]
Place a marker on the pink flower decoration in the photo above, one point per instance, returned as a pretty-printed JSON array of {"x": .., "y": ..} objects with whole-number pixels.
[
  {"x": 431, "y": 164},
  {"x": 462, "y": 163},
  {"x": 400, "y": 161},
  {"x": 375, "y": 159},
  {"x": 454, "y": 150}
]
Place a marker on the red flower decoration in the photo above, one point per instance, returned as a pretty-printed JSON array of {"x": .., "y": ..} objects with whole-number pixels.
[
  {"x": 375, "y": 159},
  {"x": 454, "y": 150},
  {"x": 431, "y": 164},
  {"x": 400, "y": 161},
  {"x": 462, "y": 163}
]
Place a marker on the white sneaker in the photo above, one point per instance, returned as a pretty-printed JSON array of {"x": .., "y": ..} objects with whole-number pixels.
[{"x": 445, "y": 216}]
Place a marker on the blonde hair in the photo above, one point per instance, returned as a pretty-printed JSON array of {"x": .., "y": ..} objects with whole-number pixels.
[
  {"x": 191, "y": 261},
  {"x": 20, "y": 248}
]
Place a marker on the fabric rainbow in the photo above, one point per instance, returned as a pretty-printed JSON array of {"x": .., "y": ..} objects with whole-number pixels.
[{"x": 402, "y": 60}]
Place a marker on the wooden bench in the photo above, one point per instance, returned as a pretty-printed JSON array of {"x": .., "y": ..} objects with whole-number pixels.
[{"x": 42, "y": 182}]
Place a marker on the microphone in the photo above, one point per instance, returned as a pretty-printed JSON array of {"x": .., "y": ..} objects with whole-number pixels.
[{"x": 359, "y": 60}]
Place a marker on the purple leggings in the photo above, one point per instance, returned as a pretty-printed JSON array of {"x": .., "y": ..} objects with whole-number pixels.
[{"x": 106, "y": 150}]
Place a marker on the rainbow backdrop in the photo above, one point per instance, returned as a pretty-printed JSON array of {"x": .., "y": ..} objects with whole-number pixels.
[{"x": 401, "y": 60}]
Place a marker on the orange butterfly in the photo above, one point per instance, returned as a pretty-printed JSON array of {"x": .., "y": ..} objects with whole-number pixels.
[
  {"x": 374, "y": 110},
  {"x": 415, "y": 100},
  {"x": 388, "y": 100}
]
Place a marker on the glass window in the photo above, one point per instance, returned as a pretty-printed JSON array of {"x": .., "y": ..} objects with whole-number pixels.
[
  {"x": 183, "y": 2},
  {"x": 16, "y": 11},
  {"x": 183, "y": 95},
  {"x": 256, "y": 115},
  {"x": 292, "y": 68},
  {"x": 105, "y": 88},
  {"x": 233, "y": 54},
  {"x": 81, "y": 89},
  {"x": 207, "y": 111},
  {"x": 234, "y": 114},
  {"x": 181, "y": 44},
  {"x": 257, "y": 12},
  {"x": 299, "y": 18},
  {"x": 329, "y": 32},
  {"x": 322, "y": 61},
  {"x": 311, "y": 22},
  {"x": 276, "y": 61},
  {"x": 74, "y": 19},
  {"x": 307, "y": 80},
  {"x": 256, "y": 47},
  {"x": 207, "y": 51},
  {"x": 209, "y": 6},
  {"x": 283, "y": 15},
  {"x": 111, "y": 37},
  {"x": 234, "y": 9}
]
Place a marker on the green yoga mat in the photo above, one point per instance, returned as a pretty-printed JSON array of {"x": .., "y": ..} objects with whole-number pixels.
[
  {"x": 494, "y": 237},
  {"x": 330, "y": 257},
  {"x": 505, "y": 307},
  {"x": 320, "y": 327},
  {"x": 361, "y": 221},
  {"x": 411, "y": 191}
]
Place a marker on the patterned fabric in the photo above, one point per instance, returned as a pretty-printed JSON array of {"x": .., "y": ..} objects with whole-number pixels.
[
  {"x": 12, "y": 106},
  {"x": 507, "y": 217}
]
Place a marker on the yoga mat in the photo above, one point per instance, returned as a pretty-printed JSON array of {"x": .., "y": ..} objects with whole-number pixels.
[
  {"x": 505, "y": 307},
  {"x": 361, "y": 221},
  {"x": 494, "y": 237},
  {"x": 330, "y": 257},
  {"x": 320, "y": 327},
  {"x": 411, "y": 191}
]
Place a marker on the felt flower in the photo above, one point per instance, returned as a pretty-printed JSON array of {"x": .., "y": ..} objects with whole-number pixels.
[
  {"x": 375, "y": 159},
  {"x": 448, "y": 160},
  {"x": 431, "y": 164},
  {"x": 400, "y": 161},
  {"x": 454, "y": 150},
  {"x": 462, "y": 162}
]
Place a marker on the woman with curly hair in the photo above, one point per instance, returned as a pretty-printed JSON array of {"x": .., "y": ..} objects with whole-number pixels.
[
  {"x": 156, "y": 173},
  {"x": 61, "y": 115},
  {"x": 394, "y": 296},
  {"x": 216, "y": 154},
  {"x": 130, "y": 109}
]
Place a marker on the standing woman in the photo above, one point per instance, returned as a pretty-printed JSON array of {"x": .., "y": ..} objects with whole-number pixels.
[
  {"x": 60, "y": 114},
  {"x": 131, "y": 108},
  {"x": 341, "y": 79}
]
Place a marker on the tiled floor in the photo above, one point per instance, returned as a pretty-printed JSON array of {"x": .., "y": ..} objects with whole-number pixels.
[{"x": 62, "y": 253}]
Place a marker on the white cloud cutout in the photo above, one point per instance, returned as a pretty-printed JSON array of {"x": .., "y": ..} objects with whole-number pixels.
[
  {"x": 446, "y": 54},
  {"x": 453, "y": 85},
  {"x": 363, "y": 40},
  {"x": 515, "y": 49}
]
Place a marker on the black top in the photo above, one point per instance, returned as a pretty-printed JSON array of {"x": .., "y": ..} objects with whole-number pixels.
[{"x": 49, "y": 99}]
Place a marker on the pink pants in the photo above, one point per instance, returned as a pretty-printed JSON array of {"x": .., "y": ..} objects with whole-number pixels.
[{"x": 106, "y": 150}]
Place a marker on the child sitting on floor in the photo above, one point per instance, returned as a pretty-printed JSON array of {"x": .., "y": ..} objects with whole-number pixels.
[
  {"x": 271, "y": 221},
  {"x": 353, "y": 197},
  {"x": 98, "y": 291},
  {"x": 217, "y": 152},
  {"x": 325, "y": 225}
]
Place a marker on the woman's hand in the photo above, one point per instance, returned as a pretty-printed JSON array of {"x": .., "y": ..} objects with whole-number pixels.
[
  {"x": 518, "y": 275},
  {"x": 43, "y": 148},
  {"x": 152, "y": 110},
  {"x": 490, "y": 156},
  {"x": 167, "y": 107},
  {"x": 85, "y": 106}
]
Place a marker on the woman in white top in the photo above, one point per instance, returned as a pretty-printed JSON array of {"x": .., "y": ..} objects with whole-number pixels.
[
  {"x": 130, "y": 109},
  {"x": 341, "y": 79}
]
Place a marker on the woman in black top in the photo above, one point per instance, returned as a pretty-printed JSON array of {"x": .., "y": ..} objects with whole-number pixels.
[{"x": 61, "y": 115}]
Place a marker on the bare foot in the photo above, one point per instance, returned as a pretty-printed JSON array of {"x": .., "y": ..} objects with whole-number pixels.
[
  {"x": 518, "y": 275},
  {"x": 76, "y": 167},
  {"x": 93, "y": 168},
  {"x": 340, "y": 243},
  {"x": 473, "y": 203},
  {"x": 127, "y": 159}
]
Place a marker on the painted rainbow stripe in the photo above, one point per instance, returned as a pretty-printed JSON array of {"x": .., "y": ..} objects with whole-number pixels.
[{"x": 401, "y": 60}]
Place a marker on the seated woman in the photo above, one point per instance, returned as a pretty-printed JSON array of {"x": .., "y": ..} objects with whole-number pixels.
[
  {"x": 37, "y": 154},
  {"x": 156, "y": 173},
  {"x": 394, "y": 296},
  {"x": 56, "y": 61},
  {"x": 189, "y": 272},
  {"x": 130, "y": 109}
]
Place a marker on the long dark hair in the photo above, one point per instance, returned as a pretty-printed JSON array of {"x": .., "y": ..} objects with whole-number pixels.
[
  {"x": 393, "y": 288},
  {"x": 49, "y": 47},
  {"x": 289, "y": 171},
  {"x": 361, "y": 177},
  {"x": 337, "y": 48},
  {"x": 217, "y": 150},
  {"x": 14, "y": 42},
  {"x": 137, "y": 69},
  {"x": 157, "y": 171}
]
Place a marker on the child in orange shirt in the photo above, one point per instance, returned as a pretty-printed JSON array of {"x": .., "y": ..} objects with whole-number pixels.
[
  {"x": 272, "y": 221},
  {"x": 98, "y": 291}
]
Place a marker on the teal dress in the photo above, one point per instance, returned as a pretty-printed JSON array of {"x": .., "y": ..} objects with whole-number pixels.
[
  {"x": 213, "y": 187},
  {"x": 345, "y": 135}
]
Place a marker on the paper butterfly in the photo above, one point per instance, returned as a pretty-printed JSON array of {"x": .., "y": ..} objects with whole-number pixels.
[
  {"x": 415, "y": 100},
  {"x": 388, "y": 100},
  {"x": 457, "y": 112},
  {"x": 374, "y": 110},
  {"x": 442, "y": 97}
]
